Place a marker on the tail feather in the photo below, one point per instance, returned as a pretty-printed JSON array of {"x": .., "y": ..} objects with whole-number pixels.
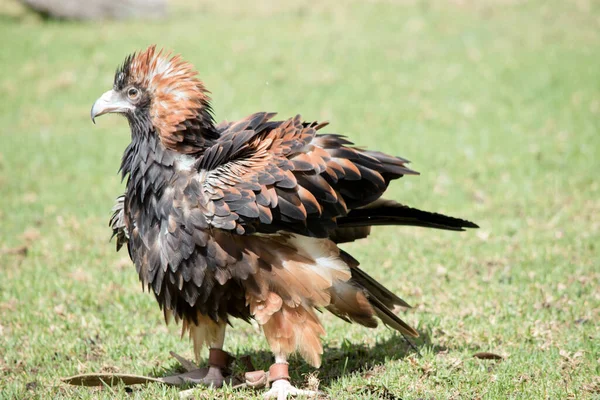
[
  {"x": 362, "y": 298},
  {"x": 374, "y": 288},
  {"x": 353, "y": 303},
  {"x": 377, "y": 290},
  {"x": 387, "y": 212},
  {"x": 390, "y": 319}
]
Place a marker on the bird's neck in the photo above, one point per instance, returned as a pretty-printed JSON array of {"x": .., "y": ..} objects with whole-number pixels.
[
  {"x": 149, "y": 160},
  {"x": 148, "y": 165}
]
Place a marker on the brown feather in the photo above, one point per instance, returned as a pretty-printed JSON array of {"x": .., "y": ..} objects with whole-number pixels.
[{"x": 178, "y": 94}]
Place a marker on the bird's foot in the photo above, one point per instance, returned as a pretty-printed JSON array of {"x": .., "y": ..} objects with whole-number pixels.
[
  {"x": 218, "y": 361},
  {"x": 282, "y": 389},
  {"x": 214, "y": 377}
]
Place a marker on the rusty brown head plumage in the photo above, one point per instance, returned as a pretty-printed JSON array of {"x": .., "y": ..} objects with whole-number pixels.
[{"x": 161, "y": 92}]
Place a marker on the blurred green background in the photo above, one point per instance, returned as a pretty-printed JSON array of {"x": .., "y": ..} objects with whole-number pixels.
[{"x": 496, "y": 102}]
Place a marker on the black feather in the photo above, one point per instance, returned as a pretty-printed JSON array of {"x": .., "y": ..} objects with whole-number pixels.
[{"x": 402, "y": 215}]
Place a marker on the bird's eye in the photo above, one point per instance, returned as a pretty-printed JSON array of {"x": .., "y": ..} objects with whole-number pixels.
[{"x": 133, "y": 93}]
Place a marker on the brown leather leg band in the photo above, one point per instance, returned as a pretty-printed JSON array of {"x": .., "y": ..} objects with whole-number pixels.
[
  {"x": 218, "y": 358},
  {"x": 278, "y": 371}
]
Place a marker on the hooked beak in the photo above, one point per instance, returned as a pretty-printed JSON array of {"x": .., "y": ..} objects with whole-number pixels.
[{"x": 110, "y": 102}]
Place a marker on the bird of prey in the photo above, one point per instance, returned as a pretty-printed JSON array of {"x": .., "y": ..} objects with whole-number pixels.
[{"x": 243, "y": 219}]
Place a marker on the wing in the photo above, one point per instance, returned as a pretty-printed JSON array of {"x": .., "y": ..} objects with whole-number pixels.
[
  {"x": 266, "y": 176},
  {"x": 117, "y": 222}
]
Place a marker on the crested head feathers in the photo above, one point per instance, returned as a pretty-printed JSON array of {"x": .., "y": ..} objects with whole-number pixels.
[{"x": 178, "y": 107}]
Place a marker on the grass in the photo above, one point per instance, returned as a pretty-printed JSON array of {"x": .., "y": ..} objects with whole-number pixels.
[{"x": 497, "y": 103}]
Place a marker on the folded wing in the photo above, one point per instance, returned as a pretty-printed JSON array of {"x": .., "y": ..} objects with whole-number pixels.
[{"x": 266, "y": 176}]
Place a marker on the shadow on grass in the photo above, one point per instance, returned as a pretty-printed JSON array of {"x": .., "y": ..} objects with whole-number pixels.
[
  {"x": 349, "y": 358},
  {"x": 352, "y": 358}
]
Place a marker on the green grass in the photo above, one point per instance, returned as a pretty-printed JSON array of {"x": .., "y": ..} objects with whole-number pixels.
[{"x": 497, "y": 103}]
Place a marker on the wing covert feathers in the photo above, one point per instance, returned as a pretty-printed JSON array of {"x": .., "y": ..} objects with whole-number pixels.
[{"x": 266, "y": 176}]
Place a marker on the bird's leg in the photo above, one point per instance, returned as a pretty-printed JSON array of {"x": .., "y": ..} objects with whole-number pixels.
[
  {"x": 279, "y": 377},
  {"x": 218, "y": 360}
]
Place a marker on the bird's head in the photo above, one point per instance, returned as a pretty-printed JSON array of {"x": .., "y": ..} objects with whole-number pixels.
[{"x": 160, "y": 94}]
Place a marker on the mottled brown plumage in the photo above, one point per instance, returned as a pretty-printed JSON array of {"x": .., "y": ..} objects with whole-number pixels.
[{"x": 242, "y": 219}]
